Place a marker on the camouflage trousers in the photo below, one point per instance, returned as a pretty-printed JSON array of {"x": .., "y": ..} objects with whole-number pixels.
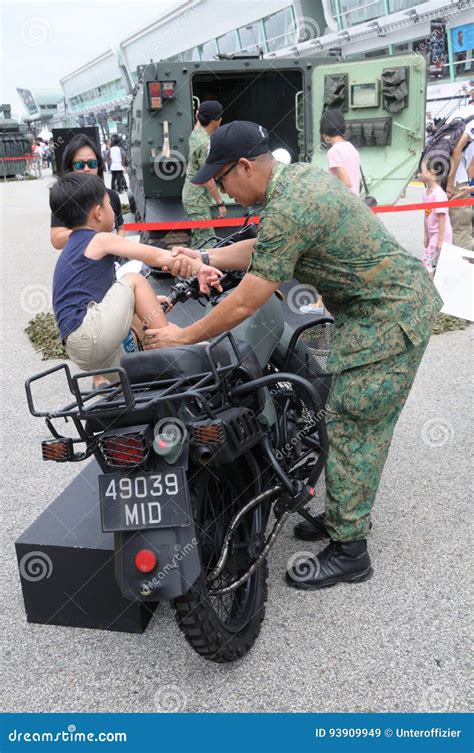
[
  {"x": 461, "y": 223},
  {"x": 363, "y": 408},
  {"x": 199, "y": 211}
]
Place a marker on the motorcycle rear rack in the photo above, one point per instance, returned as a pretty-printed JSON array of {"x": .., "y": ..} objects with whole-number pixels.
[{"x": 123, "y": 396}]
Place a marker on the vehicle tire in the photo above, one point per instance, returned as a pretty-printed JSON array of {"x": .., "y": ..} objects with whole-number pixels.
[{"x": 223, "y": 629}]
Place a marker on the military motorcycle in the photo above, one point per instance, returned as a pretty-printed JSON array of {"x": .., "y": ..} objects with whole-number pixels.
[{"x": 204, "y": 452}]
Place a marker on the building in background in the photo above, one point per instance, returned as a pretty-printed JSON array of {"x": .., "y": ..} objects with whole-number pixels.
[
  {"x": 41, "y": 105},
  {"x": 99, "y": 92}
]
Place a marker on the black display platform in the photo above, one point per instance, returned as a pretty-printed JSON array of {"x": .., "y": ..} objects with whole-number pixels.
[{"x": 67, "y": 568}]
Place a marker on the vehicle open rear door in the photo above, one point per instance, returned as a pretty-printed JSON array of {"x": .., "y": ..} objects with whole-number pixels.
[{"x": 383, "y": 102}]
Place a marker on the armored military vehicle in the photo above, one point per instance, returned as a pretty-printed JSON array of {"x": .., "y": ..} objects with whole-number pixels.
[
  {"x": 15, "y": 143},
  {"x": 383, "y": 101}
]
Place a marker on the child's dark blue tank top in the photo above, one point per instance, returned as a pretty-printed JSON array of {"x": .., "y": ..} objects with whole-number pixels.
[{"x": 78, "y": 280}]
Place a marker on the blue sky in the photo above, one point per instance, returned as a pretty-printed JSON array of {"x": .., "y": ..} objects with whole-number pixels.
[{"x": 43, "y": 41}]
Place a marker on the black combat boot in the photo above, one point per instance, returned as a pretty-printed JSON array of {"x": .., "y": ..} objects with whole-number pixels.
[
  {"x": 339, "y": 562},
  {"x": 307, "y": 531}
]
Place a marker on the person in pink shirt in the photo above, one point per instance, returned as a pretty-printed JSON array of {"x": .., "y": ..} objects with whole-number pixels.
[
  {"x": 343, "y": 158},
  {"x": 344, "y": 163},
  {"x": 436, "y": 221}
]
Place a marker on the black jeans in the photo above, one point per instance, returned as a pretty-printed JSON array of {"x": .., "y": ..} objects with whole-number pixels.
[{"x": 118, "y": 181}]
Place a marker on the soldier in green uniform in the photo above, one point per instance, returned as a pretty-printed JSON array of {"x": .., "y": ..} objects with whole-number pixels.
[
  {"x": 383, "y": 301},
  {"x": 197, "y": 200}
]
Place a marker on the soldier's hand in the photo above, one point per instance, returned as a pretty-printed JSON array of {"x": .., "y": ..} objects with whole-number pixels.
[
  {"x": 165, "y": 337},
  {"x": 222, "y": 211},
  {"x": 181, "y": 268},
  {"x": 191, "y": 252},
  {"x": 209, "y": 277}
]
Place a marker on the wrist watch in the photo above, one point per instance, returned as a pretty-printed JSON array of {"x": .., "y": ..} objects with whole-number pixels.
[{"x": 205, "y": 257}]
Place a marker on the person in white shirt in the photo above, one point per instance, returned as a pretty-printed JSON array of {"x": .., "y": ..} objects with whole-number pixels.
[
  {"x": 117, "y": 158},
  {"x": 458, "y": 187}
]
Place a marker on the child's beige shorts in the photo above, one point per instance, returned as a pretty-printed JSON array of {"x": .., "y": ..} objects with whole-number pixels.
[{"x": 97, "y": 343}]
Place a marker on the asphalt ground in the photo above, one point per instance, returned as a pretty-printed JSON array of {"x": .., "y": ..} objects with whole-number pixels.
[{"x": 395, "y": 643}]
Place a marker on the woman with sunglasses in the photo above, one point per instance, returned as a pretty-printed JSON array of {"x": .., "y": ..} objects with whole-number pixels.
[{"x": 82, "y": 156}]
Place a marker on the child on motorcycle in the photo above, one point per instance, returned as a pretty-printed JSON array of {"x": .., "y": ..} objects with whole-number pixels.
[{"x": 95, "y": 311}]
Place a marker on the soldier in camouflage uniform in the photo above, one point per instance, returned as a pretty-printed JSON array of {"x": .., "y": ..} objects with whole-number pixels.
[
  {"x": 197, "y": 200},
  {"x": 383, "y": 302}
]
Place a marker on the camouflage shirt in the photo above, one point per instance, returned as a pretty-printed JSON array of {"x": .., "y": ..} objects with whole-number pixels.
[
  {"x": 314, "y": 229},
  {"x": 198, "y": 149}
]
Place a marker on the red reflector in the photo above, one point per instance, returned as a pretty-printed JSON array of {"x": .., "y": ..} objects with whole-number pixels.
[
  {"x": 145, "y": 560},
  {"x": 168, "y": 89}
]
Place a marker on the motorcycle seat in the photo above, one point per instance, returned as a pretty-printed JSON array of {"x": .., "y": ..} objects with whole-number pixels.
[{"x": 154, "y": 366}]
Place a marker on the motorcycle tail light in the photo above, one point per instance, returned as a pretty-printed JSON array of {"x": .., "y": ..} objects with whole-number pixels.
[
  {"x": 127, "y": 449},
  {"x": 60, "y": 450},
  {"x": 145, "y": 560}
]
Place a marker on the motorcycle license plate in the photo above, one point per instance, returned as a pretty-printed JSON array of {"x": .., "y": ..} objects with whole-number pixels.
[{"x": 136, "y": 501}]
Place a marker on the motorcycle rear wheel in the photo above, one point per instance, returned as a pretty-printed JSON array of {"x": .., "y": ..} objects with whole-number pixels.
[{"x": 223, "y": 628}]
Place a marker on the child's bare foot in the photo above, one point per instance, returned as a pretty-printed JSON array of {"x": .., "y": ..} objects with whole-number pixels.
[{"x": 98, "y": 381}]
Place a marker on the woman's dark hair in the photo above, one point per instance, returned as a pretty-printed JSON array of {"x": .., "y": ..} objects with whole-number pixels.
[
  {"x": 116, "y": 140},
  {"x": 77, "y": 142},
  {"x": 332, "y": 123},
  {"x": 73, "y": 195}
]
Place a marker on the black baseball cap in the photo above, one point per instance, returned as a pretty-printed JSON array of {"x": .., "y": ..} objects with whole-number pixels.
[
  {"x": 229, "y": 143},
  {"x": 211, "y": 109}
]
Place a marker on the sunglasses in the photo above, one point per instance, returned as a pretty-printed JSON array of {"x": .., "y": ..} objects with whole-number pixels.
[{"x": 80, "y": 164}]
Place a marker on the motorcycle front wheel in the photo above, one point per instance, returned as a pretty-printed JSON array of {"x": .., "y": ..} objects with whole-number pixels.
[{"x": 224, "y": 628}]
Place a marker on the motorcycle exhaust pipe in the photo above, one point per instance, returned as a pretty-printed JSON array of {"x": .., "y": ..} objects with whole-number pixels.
[{"x": 203, "y": 455}]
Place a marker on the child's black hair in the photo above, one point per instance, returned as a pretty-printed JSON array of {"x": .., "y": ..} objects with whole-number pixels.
[
  {"x": 332, "y": 123},
  {"x": 72, "y": 197},
  {"x": 77, "y": 142}
]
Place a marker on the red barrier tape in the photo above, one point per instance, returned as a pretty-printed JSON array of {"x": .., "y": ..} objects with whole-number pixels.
[
  {"x": 13, "y": 159},
  {"x": 428, "y": 205},
  {"x": 236, "y": 221}
]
